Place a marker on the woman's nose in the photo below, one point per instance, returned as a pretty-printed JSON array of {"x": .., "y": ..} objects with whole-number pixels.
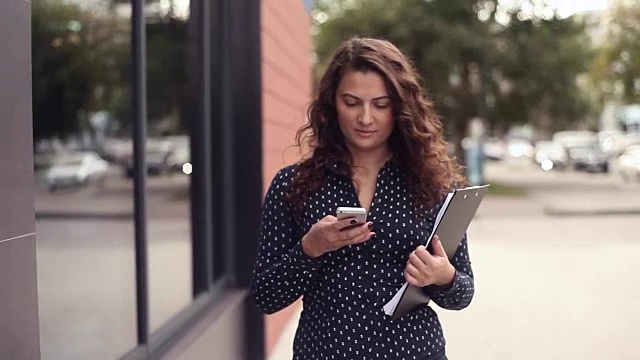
[{"x": 365, "y": 118}]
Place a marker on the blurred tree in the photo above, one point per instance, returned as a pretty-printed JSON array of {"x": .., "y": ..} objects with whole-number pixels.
[
  {"x": 444, "y": 39},
  {"x": 166, "y": 66},
  {"x": 616, "y": 68},
  {"x": 166, "y": 74},
  {"x": 79, "y": 63},
  {"x": 60, "y": 89},
  {"x": 507, "y": 65},
  {"x": 535, "y": 65}
]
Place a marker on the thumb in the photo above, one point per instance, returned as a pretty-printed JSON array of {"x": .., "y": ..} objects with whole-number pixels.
[{"x": 438, "y": 249}]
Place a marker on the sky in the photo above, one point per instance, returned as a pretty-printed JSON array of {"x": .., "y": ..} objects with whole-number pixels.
[
  {"x": 545, "y": 9},
  {"x": 569, "y": 7},
  {"x": 565, "y": 7}
]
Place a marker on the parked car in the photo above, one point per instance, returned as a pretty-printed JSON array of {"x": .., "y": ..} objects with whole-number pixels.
[
  {"x": 550, "y": 155},
  {"x": 180, "y": 158},
  {"x": 494, "y": 149},
  {"x": 612, "y": 142},
  {"x": 520, "y": 148},
  {"x": 76, "y": 170},
  {"x": 157, "y": 157},
  {"x": 575, "y": 138},
  {"x": 588, "y": 157},
  {"x": 629, "y": 163}
]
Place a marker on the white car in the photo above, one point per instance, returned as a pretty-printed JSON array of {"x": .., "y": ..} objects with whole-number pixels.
[
  {"x": 629, "y": 163},
  {"x": 75, "y": 170},
  {"x": 520, "y": 148},
  {"x": 550, "y": 155},
  {"x": 494, "y": 149}
]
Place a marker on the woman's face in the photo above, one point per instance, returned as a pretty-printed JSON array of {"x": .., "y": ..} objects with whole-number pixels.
[{"x": 365, "y": 111}]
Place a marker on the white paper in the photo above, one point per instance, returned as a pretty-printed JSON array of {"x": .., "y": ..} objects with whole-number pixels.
[{"x": 390, "y": 307}]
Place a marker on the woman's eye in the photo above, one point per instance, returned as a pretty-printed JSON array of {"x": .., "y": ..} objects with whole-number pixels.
[
  {"x": 350, "y": 104},
  {"x": 381, "y": 106}
]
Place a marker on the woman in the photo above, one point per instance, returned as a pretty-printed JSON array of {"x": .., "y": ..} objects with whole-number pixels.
[{"x": 375, "y": 142}]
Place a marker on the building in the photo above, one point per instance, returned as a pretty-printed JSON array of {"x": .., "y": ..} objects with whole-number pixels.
[{"x": 154, "y": 267}]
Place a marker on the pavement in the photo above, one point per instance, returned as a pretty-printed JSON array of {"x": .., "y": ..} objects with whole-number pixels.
[{"x": 556, "y": 270}]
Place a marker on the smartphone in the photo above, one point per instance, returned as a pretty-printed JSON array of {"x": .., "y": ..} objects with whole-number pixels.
[{"x": 358, "y": 213}]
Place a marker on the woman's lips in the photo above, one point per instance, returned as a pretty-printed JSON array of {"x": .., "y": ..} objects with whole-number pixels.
[{"x": 365, "y": 133}]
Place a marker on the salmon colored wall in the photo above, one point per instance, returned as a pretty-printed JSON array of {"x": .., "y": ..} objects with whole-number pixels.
[{"x": 286, "y": 88}]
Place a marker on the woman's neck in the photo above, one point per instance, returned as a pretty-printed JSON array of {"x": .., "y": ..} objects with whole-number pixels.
[{"x": 370, "y": 161}]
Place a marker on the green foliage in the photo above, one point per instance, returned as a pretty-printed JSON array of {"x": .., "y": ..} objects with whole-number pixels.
[
  {"x": 167, "y": 73},
  {"x": 520, "y": 72},
  {"x": 59, "y": 89},
  {"x": 80, "y": 64},
  {"x": 540, "y": 61},
  {"x": 615, "y": 70},
  {"x": 500, "y": 189}
]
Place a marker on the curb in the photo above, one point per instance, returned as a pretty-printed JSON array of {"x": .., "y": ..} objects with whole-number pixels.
[{"x": 589, "y": 212}]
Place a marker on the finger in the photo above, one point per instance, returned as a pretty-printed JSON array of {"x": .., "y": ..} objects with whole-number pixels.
[
  {"x": 345, "y": 224},
  {"x": 360, "y": 239},
  {"x": 437, "y": 247},
  {"x": 418, "y": 262},
  {"x": 424, "y": 255},
  {"x": 411, "y": 280},
  {"x": 349, "y": 235},
  {"x": 327, "y": 220},
  {"x": 413, "y": 271}
]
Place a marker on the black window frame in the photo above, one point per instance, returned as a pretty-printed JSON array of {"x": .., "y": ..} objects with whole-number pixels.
[{"x": 226, "y": 184}]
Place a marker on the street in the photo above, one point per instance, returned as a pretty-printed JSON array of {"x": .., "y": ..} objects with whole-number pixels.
[{"x": 556, "y": 271}]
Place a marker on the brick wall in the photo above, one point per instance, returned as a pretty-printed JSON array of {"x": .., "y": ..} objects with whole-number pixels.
[{"x": 286, "y": 84}]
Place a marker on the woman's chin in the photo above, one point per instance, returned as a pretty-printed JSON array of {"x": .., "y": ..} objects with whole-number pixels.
[{"x": 365, "y": 145}]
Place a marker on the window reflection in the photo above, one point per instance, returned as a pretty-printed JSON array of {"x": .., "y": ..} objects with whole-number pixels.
[
  {"x": 168, "y": 162},
  {"x": 84, "y": 173},
  {"x": 84, "y": 206}
]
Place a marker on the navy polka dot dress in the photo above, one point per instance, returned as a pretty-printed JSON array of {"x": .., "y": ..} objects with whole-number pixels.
[{"x": 344, "y": 291}]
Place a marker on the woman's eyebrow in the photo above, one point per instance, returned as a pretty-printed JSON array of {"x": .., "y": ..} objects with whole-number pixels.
[{"x": 374, "y": 99}]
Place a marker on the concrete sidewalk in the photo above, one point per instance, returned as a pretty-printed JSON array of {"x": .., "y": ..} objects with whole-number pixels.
[{"x": 284, "y": 347}]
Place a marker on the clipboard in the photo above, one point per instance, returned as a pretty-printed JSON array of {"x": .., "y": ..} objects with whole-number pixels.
[{"x": 451, "y": 223}]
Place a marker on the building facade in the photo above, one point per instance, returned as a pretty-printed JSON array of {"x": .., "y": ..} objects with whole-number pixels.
[
  {"x": 147, "y": 252},
  {"x": 18, "y": 278}
]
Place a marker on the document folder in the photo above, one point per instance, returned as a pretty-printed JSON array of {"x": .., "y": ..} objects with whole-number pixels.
[{"x": 450, "y": 225}]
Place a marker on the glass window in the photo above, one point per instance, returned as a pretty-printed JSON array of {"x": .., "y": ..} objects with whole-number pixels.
[
  {"x": 84, "y": 206},
  {"x": 168, "y": 163}
]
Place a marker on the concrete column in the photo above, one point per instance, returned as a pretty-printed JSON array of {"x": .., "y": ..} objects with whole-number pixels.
[{"x": 19, "y": 331}]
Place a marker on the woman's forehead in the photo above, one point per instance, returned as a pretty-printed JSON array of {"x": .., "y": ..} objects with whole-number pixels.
[{"x": 362, "y": 84}]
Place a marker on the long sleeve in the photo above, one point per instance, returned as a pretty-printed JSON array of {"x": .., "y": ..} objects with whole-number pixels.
[
  {"x": 457, "y": 296},
  {"x": 282, "y": 271}
]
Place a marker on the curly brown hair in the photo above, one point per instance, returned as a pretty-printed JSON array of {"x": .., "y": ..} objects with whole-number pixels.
[{"x": 417, "y": 140}]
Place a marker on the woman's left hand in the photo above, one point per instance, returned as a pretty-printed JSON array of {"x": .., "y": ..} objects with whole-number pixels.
[{"x": 424, "y": 268}]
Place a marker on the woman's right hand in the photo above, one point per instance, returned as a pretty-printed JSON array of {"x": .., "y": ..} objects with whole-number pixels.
[{"x": 331, "y": 234}]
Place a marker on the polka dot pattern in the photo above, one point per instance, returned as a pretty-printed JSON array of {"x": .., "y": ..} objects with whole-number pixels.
[{"x": 344, "y": 291}]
